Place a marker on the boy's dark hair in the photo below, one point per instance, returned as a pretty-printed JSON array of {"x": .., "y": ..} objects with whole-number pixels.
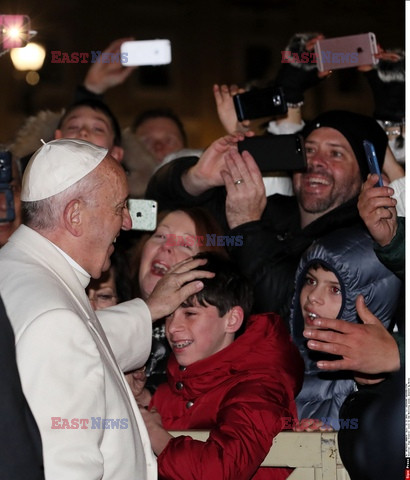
[
  {"x": 159, "y": 113},
  {"x": 227, "y": 289},
  {"x": 96, "y": 105},
  {"x": 316, "y": 264}
]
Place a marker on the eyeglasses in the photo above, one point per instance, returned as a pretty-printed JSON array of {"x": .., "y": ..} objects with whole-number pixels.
[{"x": 104, "y": 300}]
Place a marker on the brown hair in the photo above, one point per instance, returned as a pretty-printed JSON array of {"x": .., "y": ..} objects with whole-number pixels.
[{"x": 205, "y": 225}]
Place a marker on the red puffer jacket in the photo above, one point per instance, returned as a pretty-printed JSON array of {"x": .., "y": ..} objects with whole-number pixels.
[{"x": 241, "y": 394}]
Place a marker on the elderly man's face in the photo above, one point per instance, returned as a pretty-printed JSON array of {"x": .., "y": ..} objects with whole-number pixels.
[
  {"x": 105, "y": 217},
  {"x": 332, "y": 176}
]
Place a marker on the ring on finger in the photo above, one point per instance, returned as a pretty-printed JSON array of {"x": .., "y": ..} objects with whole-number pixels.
[{"x": 239, "y": 181}]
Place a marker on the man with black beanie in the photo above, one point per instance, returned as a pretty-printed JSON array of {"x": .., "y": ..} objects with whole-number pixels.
[{"x": 276, "y": 230}]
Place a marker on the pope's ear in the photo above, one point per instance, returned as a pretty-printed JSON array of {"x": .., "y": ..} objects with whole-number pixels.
[
  {"x": 117, "y": 152},
  {"x": 73, "y": 217},
  {"x": 58, "y": 134},
  {"x": 234, "y": 319}
]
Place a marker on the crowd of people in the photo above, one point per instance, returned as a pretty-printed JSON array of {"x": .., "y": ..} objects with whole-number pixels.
[{"x": 121, "y": 337}]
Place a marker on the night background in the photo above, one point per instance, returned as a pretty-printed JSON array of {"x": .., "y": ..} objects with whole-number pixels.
[{"x": 213, "y": 41}]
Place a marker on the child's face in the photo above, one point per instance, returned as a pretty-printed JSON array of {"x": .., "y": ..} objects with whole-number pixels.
[
  {"x": 320, "y": 296},
  {"x": 196, "y": 332}
]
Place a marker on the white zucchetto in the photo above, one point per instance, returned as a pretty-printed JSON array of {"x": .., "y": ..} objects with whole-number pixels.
[{"x": 57, "y": 165}]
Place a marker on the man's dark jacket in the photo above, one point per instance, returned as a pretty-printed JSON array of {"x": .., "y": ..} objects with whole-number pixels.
[{"x": 20, "y": 444}]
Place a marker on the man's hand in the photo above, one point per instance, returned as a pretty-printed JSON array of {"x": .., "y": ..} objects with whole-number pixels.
[
  {"x": 136, "y": 380},
  {"x": 246, "y": 196},
  {"x": 206, "y": 173},
  {"x": 180, "y": 282},
  {"x": 367, "y": 349},
  {"x": 226, "y": 108},
  {"x": 102, "y": 76},
  {"x": 158, "y": 435},
  {"x": 377, "y": 208}
]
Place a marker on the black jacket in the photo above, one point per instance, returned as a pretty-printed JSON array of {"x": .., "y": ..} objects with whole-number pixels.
[
  {"x": 20, "y": 449},
  {"x": 272, "y": 246}
]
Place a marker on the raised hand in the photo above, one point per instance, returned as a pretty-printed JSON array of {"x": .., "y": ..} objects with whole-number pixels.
[
  {"x": 246, "y": 196},
  {"x": 367, "y": 348},
  {"x": 206, "y": 173},
  {"x": 377, "y": 208},
  {"x": 179, "y": 283},
  {"x": 102, "y": 76},
  {"x": 225, "y": 107}
]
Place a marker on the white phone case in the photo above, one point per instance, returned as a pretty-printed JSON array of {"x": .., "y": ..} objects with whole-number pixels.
[
  {"x": 143, "y": 214},
  {"x": 346, "y": 52},
  {"x": 146, "y": 52}
]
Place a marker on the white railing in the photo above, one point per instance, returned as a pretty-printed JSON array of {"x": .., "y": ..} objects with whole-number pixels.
[{"x": 314, "y": 455}]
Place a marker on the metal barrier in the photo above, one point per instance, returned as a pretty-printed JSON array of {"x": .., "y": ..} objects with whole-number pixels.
[{"x": 314, "y": 455}]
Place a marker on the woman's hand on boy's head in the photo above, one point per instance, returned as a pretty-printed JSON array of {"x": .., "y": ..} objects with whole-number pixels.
[{"x": 366, "y": 348}]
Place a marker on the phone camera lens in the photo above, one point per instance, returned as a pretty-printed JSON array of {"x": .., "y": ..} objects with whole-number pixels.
[{"x": 276, "y": 100}]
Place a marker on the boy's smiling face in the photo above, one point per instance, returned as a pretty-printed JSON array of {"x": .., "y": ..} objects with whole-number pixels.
[
  {"x": 198, "y": 332},
  {"x": 320, "y": 296}
]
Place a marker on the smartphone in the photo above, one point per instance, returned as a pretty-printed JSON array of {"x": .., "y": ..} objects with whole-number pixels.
[
  {"x": 143, "y": 214},
  {"x": 146, "y": 52},
  {"x": 346, "y": 52},
  {"x": 274, "y": 153},
  {"x": 260, "y": 102},
  {"x": 14, "y": 31},
  {"x": 372, "y": 161}
]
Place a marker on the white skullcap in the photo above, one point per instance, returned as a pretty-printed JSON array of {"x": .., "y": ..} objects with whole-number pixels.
[{"x": 57, "y": 165}]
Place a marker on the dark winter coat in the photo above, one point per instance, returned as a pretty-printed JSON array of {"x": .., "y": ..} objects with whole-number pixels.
[{"x": 350, "y": 255}]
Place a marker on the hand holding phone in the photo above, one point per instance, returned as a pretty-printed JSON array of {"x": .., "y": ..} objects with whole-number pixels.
[
  {"x": 372, "y": 161},
  {"x": 260, "y": 102}
]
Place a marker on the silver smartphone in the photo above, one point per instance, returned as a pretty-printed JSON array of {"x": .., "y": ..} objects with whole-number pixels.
[
  {"x": 143, "y": 214},
  {"x": 346, "y": 52},
  {"x": 146, "y": 52}
]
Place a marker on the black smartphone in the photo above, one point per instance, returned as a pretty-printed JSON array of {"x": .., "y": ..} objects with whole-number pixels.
[
  {"x": 372, "y": 161},
  {"x": 260, "y": 102},
  {"x": 274, "y": 153}
]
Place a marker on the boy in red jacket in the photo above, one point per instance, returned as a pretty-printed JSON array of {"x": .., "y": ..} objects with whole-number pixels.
[{"x": 240, "y": 386}]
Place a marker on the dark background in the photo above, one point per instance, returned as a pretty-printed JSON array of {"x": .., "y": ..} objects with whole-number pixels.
[{"x": 213, "y": 41}]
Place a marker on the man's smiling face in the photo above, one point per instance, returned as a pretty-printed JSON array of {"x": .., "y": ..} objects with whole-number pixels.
[{"x": 332, "y": 176}]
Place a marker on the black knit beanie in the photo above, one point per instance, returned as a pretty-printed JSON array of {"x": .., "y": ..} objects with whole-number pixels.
[{"x": 355, "y": 128}]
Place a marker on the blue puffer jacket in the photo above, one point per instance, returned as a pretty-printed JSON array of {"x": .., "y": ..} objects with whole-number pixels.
[{"x": 349, "y": 254}]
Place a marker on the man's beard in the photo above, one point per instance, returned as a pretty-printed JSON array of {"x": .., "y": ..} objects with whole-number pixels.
[{"x": 316, "y": 205}]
